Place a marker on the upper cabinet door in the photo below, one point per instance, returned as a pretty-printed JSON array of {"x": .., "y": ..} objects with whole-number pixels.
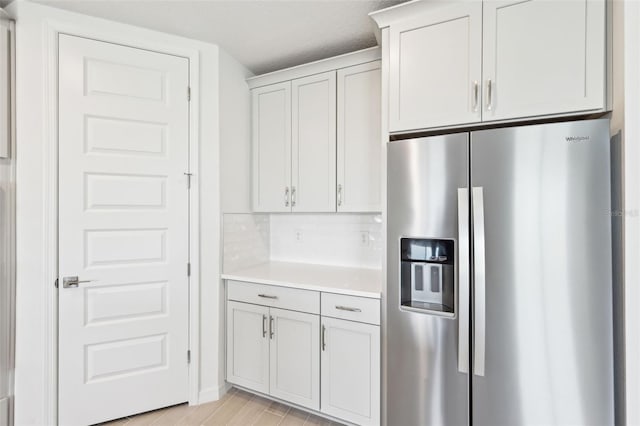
[
  {"x": 435, "y": 68},
  {"x": 358, "y": 139},
  {"x": 543, "y": 57},
  {"x": 271, "y": 124},
  {"x": 314, "y": 143}
]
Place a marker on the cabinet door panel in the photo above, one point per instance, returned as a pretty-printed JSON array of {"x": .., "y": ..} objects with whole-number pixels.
[
  {"x": 358, "y": 139},
  {"x": 351, "y": 371},
  {"x": 295, "y": 357},
  {"x": 248, "y": 346},
  {"x": 314, "y": 143},
  {"x": 271, "y": 127},
  {"x": 434, "y": 62},
  {"x": 543, "y": 57}
]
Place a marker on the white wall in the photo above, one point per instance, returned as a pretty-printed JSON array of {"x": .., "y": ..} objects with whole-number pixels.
[
  {"x": 235, "y": 136},
  {"x": 35, "y": 391}
]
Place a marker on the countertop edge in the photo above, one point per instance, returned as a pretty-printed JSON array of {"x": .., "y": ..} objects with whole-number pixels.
[{"x": 312, "y": 287}]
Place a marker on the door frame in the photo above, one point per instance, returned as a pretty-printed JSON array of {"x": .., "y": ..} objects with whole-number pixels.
[{"x": 143, "y": 41}]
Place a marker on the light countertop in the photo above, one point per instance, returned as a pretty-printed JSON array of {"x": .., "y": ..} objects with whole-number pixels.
[{"x": 330, "y": 279}]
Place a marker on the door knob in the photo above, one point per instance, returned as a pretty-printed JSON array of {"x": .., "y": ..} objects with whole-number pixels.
[{"x": 73, "y": 282}]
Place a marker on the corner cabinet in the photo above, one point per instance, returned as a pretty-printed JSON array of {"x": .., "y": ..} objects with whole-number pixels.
[
  {"x": 458, "y": 63},
  {"x": 317, "y": 350},
  {"x": 316, "y": 141}
]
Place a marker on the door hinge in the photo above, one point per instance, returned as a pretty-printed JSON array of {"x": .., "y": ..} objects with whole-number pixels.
[
  {"x": 189, "y": 357},
  {"x": 189, "y": 269},
  {"x": 188, "y": 175},
  {"x": 56, "y": 283},
  {"x": 189, "y": 94}
]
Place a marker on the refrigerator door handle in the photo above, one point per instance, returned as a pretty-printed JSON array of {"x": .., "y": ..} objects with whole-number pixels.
[
  {"x": 463, "y": 280},
  {"x": 478, "y": 283}
]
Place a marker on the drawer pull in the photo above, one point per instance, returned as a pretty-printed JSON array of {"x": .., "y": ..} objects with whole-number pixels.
[
  {"x": 266, "y": 296},
  {"x": 347, "y": 308}
]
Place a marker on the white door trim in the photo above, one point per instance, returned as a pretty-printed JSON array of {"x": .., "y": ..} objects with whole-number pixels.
[{"x": 50, "y": 205}]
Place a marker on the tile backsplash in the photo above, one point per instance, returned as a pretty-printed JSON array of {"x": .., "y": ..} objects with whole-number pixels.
[
  {"x": 245, "y": 240},
  {"x": 352, "y": 240}
]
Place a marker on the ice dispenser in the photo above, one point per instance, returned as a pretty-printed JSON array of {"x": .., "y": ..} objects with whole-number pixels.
[{"x": 427, "y": 277}]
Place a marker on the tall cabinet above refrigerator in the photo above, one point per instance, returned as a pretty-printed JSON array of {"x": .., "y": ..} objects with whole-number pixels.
[{"x": 499, "y": 286}]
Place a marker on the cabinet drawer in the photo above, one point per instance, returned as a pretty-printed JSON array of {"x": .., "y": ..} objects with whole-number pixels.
[
  {"x": 279, "y": 297},
  {"x": 352, "y": 308}
]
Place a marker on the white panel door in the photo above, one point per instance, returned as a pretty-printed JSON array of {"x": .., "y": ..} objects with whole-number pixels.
[
  {"x": 435, "y": 68},
  {"x": 295, "y": 357},
  {"x": 123, "y": 230},
  {"x": 248, "y": 346},
  {"x": 543, "y": 57},
  {"x": 314, "y": 143},
  {"x": 351, "y": 371},
  {"x": 271, "y": 134},
  {"x": 358, "y": 139}
]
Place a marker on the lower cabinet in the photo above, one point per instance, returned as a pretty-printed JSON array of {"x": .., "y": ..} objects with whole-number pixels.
[
  {"x": 350, "y": 365},
  {"x": 326, "y": 360}
]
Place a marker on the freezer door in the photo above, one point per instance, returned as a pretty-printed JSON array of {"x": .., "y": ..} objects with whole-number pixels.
[
  {"x": 542, "y": 332},
  {"x": 426, "y": 363}
]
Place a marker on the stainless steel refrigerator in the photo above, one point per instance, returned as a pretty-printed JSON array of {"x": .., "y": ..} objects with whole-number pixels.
[{"x": 499, "y": 282}]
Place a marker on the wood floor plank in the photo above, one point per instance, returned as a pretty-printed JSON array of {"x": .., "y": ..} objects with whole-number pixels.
[
  {"x": 294, "y": 418},
  {"x": 278, "y": 409},
  {"x": 173, "y": 415},
  {"x": 229, "y": 409},
  {"x": 267, "y": 418},
  {"x": 314, "y": 420},
  {"x": 250, "y": 412},
  {"x": 146, "y": 419},
  {"x": 200, "y": 413}
]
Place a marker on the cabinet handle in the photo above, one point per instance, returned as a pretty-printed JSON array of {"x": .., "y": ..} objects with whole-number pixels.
[
  {"x": 293, "y": 196},
  {"x": 475, "y": 96},
  {"x": 286, "y": 196},
  {"x": 267, "y": 296},
  {"x": 271, "y": 332},
  {"x": 323, "y": 338},
  {"x": 264, "y": 326},
  {"x": 339, "y": 195},
  {"x": 489, "y": 95},
  {"x": 347, "y": 308}
]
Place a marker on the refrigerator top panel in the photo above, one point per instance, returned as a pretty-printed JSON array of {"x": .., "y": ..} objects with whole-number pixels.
[{"x": 542, "y": 321}]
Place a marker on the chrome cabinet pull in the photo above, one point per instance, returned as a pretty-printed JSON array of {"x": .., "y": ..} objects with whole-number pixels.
[
  {"x": 264, "y": 326},
  {"x": 347, "y": 308},
  {"x": 475, "y": 96},
  {"x": 286, "y": 196},
  {"x": 489, "y": 95},
  {"x": 323, "y": 338},
  {"x": 271, "y": 332},
  {"x": 339, "y": 195},
  {"x": 293, "y": 196},
  {"x": 479, "y": 282},
  {"x": 463, "y": 279},
  {"x": 73, "y": 282},
  {"x": 267, "y": 296}
]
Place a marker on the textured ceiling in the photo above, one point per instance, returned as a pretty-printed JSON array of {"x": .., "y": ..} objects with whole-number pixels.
[{"x": 264, "y": 35}]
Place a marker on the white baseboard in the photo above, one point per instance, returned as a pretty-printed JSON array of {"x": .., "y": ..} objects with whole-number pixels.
[
  {"x": 211, "y": 394},
  {"x": 4, "y": 412}
]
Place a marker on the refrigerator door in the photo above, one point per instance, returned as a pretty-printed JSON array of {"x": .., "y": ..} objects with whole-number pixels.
[
  {"x": 427, "y": 363},
  {"x": 544, "y": 313}
]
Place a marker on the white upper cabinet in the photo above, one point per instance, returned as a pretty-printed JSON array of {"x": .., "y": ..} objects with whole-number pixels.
[
  {"x": 358, "y": 138},
  {"x": 313, "y": 185},
  {"x": 271, "y": 124},
  {"x": 463, "y": 62},
  {"x": 435, "y": 68},
  {"x": 543, "y": 57}
]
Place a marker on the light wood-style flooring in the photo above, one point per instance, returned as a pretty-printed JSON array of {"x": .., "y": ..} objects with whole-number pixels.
[{"x": 235, "y": 408}]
